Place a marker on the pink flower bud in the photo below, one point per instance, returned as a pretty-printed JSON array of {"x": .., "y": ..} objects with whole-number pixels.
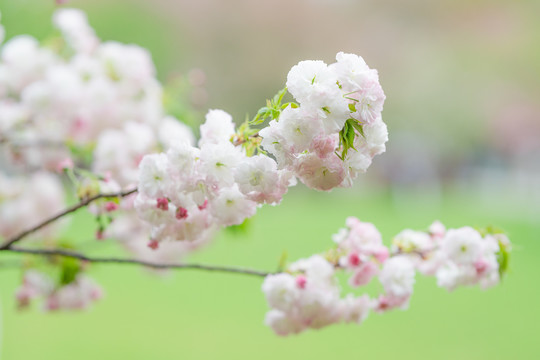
[
  {"x": 363, "y": 275},
  {"x": 354, "y": 259},
  {"x": 204, "y": 205},
  {"x": 383, "y": 303},
  {"x": 65, "y": 164},
  {"x": 388, "y": 302},
  {"x": 381, "y": 254},
  {"x": 181, "y": 213},
  {"x": 100, "y": 235},
  {"x": 163, "y": 204},
  {"x": 301, "y": 281},
  {"x": 480, "y": 266},
  {"x": 111, "y": 206},
  {"x": 96, "y": 293},
  {"x": 153, "y": 244},
  {"x": 23, "y": 296},
  {"x": 52, "y": 303},
  {"x": 107, "y": 177}
]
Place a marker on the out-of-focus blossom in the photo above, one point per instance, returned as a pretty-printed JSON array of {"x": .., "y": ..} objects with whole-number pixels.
[
  {"x": 307, "y": 295},
  {"x": 27, "y": 201}
]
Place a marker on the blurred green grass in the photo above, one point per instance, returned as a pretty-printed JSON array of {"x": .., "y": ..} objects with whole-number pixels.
[{"x": 196, "y": 315}]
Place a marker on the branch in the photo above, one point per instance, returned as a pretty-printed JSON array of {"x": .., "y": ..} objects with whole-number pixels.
[
  {"x": 67, "y": 211},
  {"x": 8, "y": 246},
  {"x": 76, "y": 255}
]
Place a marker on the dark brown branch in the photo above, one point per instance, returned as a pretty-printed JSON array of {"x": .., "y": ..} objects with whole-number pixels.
[
  {"x": 76, "y": 255},
  {"x": 67, "y": 211}
]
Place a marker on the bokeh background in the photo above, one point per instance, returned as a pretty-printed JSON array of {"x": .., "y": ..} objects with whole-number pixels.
[{"x": 462, "y": 80}]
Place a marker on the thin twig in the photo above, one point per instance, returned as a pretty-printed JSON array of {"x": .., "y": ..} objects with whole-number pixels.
[
  {"x": 67, "y": 211},
  {"x": 76, "y": 255}
]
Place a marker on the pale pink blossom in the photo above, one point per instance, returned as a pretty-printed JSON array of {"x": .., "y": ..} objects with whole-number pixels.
[
  {"x": 397, "y": 276},
  {"x": 218, "y": 128},
  {"x": 354, "y": 309},
  {"x": 462, "y": 246},
  {"x": 231, "y": 207}
]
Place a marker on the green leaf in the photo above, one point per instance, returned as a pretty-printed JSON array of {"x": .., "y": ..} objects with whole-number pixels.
[
  {"x": 273, "y": 108},
  {"x": 489, "y": 230},
  {"x": 70, "y": 268},
  {"x": 344, "y": 140},
  {"x": 278, "y": 98},
  {"x": 261, "y": 116},
  {"x": 356, "y": 124},
  {"x": 503, "y": 258},
  {"x": 347, "y": 136},
  {"x": 291, "y": 104},
  {"x": 350, "y": 136},
  {"x": 241, "y": 229},
  {"x": 81, "y": 153}
]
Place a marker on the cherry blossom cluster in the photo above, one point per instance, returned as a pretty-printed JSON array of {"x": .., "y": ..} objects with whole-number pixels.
[
  {"x": 81, "y": 93},
  {"x": 308, "y": 294},
  {"x": 76, "y": 95},
  {"x": 78, "y": 92},
  {"x": 118, "y": 152},
  {"x": 456, "y": 257},
  {"x": 75, "y": 295},
  {"x": 189, "y": 192},
  {"x": 128, "y": 231},
  {"x": 336, "y": 128}
]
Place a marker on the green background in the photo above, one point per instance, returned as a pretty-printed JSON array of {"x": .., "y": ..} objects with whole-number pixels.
[{"x": 195, "y": 315}]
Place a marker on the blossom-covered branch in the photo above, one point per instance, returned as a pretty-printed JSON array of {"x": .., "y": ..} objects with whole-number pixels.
[
  {"x": 104, "y": 102},
  {"x": 85, "y": 202},
  {"x": 308, "y": 294}
]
